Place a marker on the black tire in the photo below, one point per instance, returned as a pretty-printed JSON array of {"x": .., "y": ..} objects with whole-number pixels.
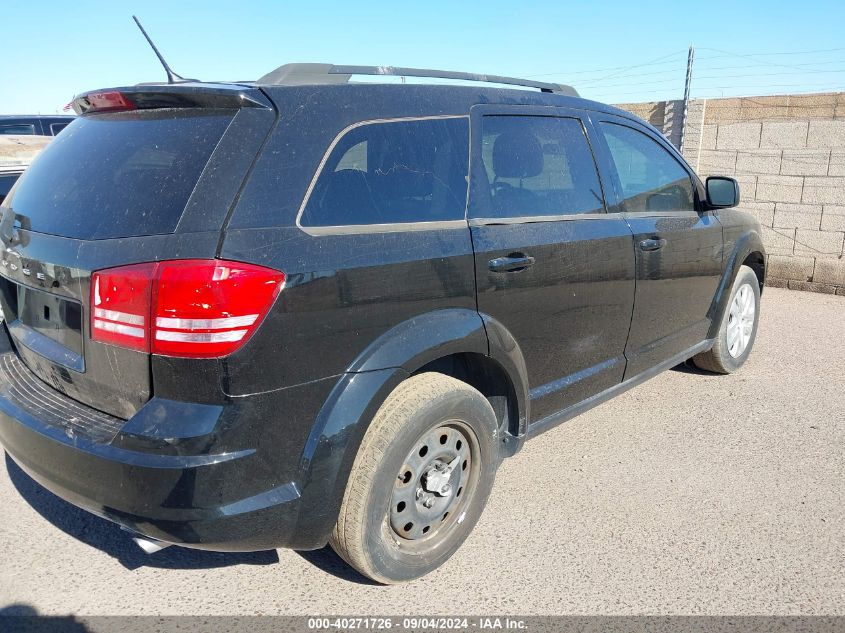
[
  {"x": 719, "y": 358},
  {"x": 366, "y": 535}
]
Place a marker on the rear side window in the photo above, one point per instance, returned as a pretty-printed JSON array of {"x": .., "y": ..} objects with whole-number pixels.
[
  {"x": 651, "y": 178},
  {"x": 539, "y": 166},
  {"x": 55, "y": 128},
  {"x": 18, "y": 128},
  {"x": 118, "y": 175},
  {"x": 390, "y": 172}
]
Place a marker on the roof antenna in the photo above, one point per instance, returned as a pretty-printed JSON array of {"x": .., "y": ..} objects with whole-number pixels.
[{"x": 172, "y": 77}]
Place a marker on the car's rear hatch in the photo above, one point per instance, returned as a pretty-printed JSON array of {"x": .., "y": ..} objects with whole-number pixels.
[{"x": 148, "y": 173}]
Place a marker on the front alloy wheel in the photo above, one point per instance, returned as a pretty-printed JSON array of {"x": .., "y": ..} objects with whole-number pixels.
[
  {"x": 741, "y": 320},
  {"x": 738, "y": 328}
]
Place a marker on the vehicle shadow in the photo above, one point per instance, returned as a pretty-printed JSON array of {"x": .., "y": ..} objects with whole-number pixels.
[
  {"x": 109, "y": 538},
  {"x": 24, "y": 618},
  {"x": 328, "y": 561},
  {"x": 688, "y": 367}
]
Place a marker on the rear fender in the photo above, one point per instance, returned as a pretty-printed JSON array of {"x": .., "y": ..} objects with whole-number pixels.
[
  {"x": 424, "y": 338},
  {"x": 344, "y": 418}
]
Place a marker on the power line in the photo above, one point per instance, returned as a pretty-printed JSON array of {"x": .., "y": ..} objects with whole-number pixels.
[
  {"x": 733, "y": 67},
  {"x": 633, "y": 75},
  {"x": 752, "y": 57},
  {"x": 820, "y": 88},
  {"x": 635, "y": 83},
  {"x": 569, "y": 73},
  {"x": 729, "y": 54},
  {"x": 668, "y": 71},
  {"x": 768, "y": 85},
  {"x": 634, "y": 79},
  {"x": 795, "y": 72},
  {"x": 621, "y": 94},
  {"x": 616, "y": 74},
  {"x": 599, "y": 70},
  {"x": 697, "y": 78}
]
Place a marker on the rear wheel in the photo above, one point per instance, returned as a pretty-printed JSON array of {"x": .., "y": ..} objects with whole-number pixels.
[
  {"x": 738, "y": 328},
  {"x": 420, "y": 480}
]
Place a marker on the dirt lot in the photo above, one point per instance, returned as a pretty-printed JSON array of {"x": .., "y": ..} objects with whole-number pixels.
[
  {"x": 20, "y": 150},
  {"x": 691, "y": 494}
]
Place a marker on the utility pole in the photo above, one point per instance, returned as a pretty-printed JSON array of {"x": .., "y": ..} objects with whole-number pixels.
[{"x": 687, "y": 82}]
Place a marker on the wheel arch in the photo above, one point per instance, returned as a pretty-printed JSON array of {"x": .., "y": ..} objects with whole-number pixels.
[
  {"x": 463, "y": 344},
  {"x": 493, "y": 382},
  {"x": 748, "y": 250},
  {"x": 457, "y": 342},
  {"x": 756, "y": 261}
]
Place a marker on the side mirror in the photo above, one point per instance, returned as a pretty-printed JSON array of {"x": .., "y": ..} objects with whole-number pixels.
[{"x": 722, "y": 192}]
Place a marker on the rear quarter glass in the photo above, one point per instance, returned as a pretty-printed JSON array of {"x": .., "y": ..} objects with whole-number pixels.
[
  {"x": 393, "y": 171},
  {"x": 118, "y": 175}
]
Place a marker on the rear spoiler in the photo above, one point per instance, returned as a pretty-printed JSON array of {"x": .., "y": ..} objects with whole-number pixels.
[{"x": 183, "y": 95}]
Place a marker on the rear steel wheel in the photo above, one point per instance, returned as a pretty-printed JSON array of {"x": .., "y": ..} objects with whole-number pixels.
[
  {"x": 435, "y": 482},
  {"x": 420, "y": 479}
]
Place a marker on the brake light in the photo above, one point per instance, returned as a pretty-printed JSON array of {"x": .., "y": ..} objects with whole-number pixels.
[
  {"x": 190, "y": 308},
  {"x": 120, "y": 306},
  {"x": 111, "y": 101}
]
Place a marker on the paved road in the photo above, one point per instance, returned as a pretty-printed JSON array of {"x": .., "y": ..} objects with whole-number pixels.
[{"x": 691, "y": 494}]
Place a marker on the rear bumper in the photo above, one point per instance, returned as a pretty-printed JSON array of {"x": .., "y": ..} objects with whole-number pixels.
[{"x": 209, "y": 497}]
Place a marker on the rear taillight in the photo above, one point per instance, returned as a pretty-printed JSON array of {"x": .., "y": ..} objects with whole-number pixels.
[
  {"x": 120, "y": 306},
  {"x": 192, "y": 308}
]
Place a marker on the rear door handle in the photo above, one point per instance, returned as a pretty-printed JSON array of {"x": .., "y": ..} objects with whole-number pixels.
[
  {"x": 654, "y": 244},
  {"x": 511, "y": 264}
]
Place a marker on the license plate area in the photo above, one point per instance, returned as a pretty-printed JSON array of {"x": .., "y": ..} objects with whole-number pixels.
[{"x": 45, "y": 323}]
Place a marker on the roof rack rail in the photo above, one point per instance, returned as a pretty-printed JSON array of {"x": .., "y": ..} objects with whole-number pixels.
[{"x": 310, "y": 74}]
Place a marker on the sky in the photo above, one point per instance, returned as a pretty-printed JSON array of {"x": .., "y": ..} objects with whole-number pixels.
[{"x": 611, "y": 51}]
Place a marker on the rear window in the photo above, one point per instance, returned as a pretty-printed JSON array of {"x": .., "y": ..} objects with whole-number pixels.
[
  {"x": 390, "y": 172},
  {"x": 118, "y": 175}
]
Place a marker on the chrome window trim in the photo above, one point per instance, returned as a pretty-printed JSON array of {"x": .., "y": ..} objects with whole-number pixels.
[
  {"x": 349, "y": 229},
  {"x": 532, "y": 219},
  {"x": 688, "y": 213},
  {"x": 398, "y": 227}
]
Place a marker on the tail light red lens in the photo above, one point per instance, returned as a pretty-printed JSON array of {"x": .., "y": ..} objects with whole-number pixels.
[
  {"x": 120, "y": 306},
  {"x": 111, "y": 101},
  {"x": 188, "y": 308}
]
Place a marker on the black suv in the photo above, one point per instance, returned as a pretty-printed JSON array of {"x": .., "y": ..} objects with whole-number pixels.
[
  {"x": 304, "y": 310},
  {"x": 44, "y": 125}
]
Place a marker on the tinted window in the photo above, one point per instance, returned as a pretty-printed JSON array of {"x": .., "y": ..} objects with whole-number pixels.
[
  {"x": 651, "y": 178},
  {"x": 55, "y": 128},
  {"x": 6, "y": 182},
  {"x": 539, "y": 166},
  {"x": 394, "y": 171},
  {"x": 18, "y": 128},
  {"x": 118, "y": 175}
]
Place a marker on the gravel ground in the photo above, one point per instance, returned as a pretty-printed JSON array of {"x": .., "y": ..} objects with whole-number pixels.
[{"x": 691, "y": 494}]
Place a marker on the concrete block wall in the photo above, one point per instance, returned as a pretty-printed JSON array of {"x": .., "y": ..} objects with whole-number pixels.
[{"x": 788, "y": 154}]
